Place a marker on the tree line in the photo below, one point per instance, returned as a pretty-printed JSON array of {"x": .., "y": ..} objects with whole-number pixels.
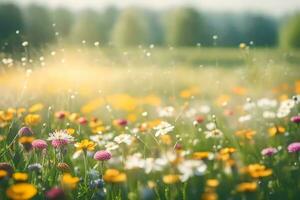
[{"x": 182, "y": 26}]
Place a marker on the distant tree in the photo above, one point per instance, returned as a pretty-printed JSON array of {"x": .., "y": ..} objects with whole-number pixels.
[
  {"x": 89, "y": 27},
  {"x": 262, "y": 30},
  {"x": 109, "y": 16},
  {"x": 184, "y": 27},
  {"x": 290, "y": 32},
  {"x": 10, "y": 21},
  {"x": 39, "y": 29},
  {"x": 131, "y": 28},
  {"x": 155, "y": 27},
  {"x": 63, "y": 20}
]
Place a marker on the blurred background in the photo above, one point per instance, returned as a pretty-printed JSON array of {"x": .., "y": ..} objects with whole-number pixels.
[
  {"x": 53, "y": 50},
  {"x": 267, "y": 23}
]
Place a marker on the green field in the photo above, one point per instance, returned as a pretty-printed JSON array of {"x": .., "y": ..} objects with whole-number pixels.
[{"x": 179, "y": 123}]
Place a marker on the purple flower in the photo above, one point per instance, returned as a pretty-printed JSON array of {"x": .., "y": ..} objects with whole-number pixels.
[
  {"x": 55, "y": 194},
  {"x": 102, "y": 155},
  {"x": 294, "y": 147},
  {"x": 296, "y": 119},
  {"x": 269, "y": 151}
]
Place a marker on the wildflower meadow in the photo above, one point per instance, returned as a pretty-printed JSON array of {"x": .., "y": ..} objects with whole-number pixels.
[{"x": 89, "y": 121}]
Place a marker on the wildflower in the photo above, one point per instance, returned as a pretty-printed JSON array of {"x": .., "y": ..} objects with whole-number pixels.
[
  {"x": 102, "y": 155},
  {"x": 25, "y": 131},
  {"x": 35, "y": 167},
  {"x": 111, "y": 146},
  {"x": 209, "y": 195},
  {"x": 246, "y": 133},
  {"x": 114, "y": 176},
  {"x": 242, "y": 45},
  {"x": 216, "y": 133},
  {"x": 276, "y": 130},
  {"x": 82, "y": 121},
  {"x": 166, "y": 139},
  {"x": 189, "y": 168},
  {"x": 166, "y": 111},
  {"x": 247, "y": 187},
  {"x": 36, "y": 108},
  {"x": 39, "y": 144},
  {"x": 55, "y": 194},
  {"x": 63, "y": 167},
  {"x": 294, "y": 147},
  {"x": 120, "y": 122},
  {"x": 212, "y": 183},
  {"x": 7, "y": 167},
  {"x": 296, "y": 119},
  {"x": 98, "y": 183},
  {"x": 60, "y": 114},
  {"x": 68, "y": 181},
  {"x": 32, "y": 119},
  {"x": 269, "y": 151},
  {"x": 18, "y": 176},
  {"x": 21, "y": 191},
  {"x": 3, "y": 173},
  {"x": 171, "y": 178},
  {"x": 83, "y": 146},
  {"x": 123, "y": 138},
  {"x": 199, "y": 119},
  {"x": 163, "y": 128},
  {"x": 201, "y": 155},
  {"x": 257, "y": 170},
  {"x": 26, "y": 142},
  {"x": 60, "y": 138}
]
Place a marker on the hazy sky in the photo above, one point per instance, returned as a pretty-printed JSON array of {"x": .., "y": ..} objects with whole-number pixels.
[{"x": 274, "y": 7}]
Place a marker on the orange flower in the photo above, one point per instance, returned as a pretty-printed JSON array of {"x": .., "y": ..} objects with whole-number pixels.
[
  {"x": 114, "y": 176},
  {"x": 257, "y": 170},
  {"x": 247, "y": 187},
  {"x": 275, "y": 130},
  {"x": 171, "y": 178},
  {"x": 21, "y": 191},
  {"x": 200, "y": 155},
  {"x": 68, "y": 181},
  {"x": 18, "y": 176},
  {"x": 246, "y": 133}
]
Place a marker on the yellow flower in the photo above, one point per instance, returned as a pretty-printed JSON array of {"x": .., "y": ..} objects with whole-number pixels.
[
  {"x": 3, "y": 173},
  {"x": 200, "y": 155},
  {"x": 171, "y": 178},
  {"x": 247, "y": 187},
  {"x": 210, "y": 195},
  {"x": 36, "y": 108},
  {"x": 19, "y": 176},
  {"x": 26, "y": 139},
  {"x": 114, "y": 176},
  {"x": 257, "y": 170},
  {"x": 243, "y": 45},
  {"x": 212, "y": 183},
  {"x": 69, "y": 181},
  {"x": 32, "y": 119},
  {"x": 21, "y": 191},
  {"x": 275, "y": 130},
  {"x": 166, "y": 139},
  {"x": 85, "y": 145},
  {"x": 70, "y": 131},
  {"x": 246, "y": 133}
]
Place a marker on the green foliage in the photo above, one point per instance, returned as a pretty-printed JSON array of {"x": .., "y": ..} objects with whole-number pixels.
[
  {"x": 89, "y": 27},
  {"x": 290, "y": 33},
  {"x": 63, "y": 19},
  {"x": 184, "y": 27},
  {"x": 10, "y": 21},
  {"x": 131, "y": 29},
  {"x": 39, "y": 29}
]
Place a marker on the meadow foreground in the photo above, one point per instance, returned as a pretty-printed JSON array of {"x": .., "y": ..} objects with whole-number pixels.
[{"x": 150, "y": 123}]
